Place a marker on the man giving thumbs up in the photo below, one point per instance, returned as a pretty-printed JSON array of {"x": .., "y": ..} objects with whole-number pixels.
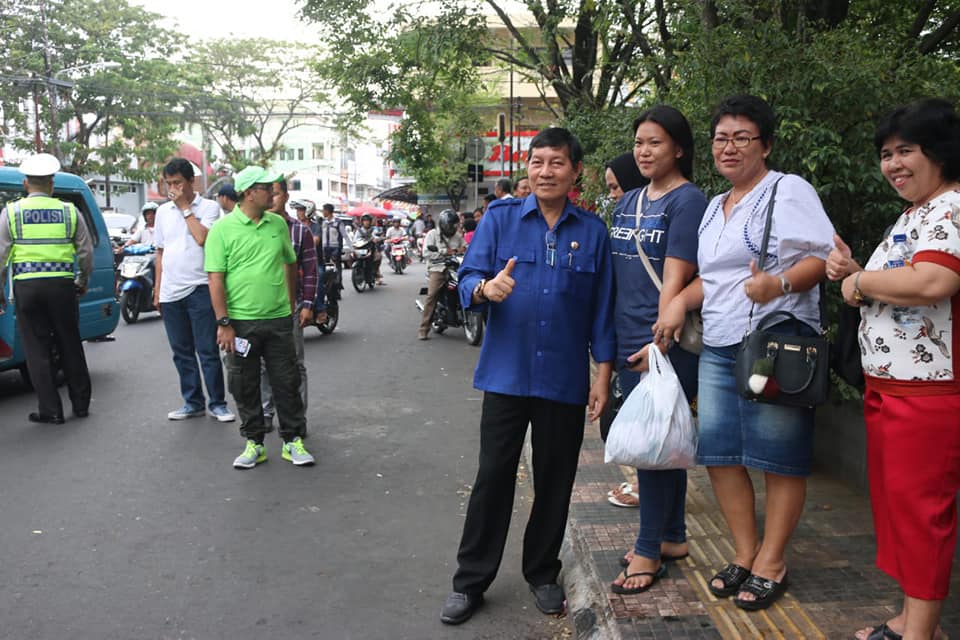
[{"x": 542, "y": 269}]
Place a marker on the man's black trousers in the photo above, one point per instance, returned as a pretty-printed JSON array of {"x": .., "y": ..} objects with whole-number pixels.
[
  {"x": 557, "y": 433},
  {"x": 48, "y": 315}
]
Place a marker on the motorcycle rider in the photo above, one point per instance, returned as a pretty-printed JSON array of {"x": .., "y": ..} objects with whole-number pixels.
[
  {"x": 443, "y": 241},
  {"x": 144, "y": 235},
  {"x": 368, "y": 232},
  {"x": 331, "y": 235},
  {"x": 396, "y": 231}
]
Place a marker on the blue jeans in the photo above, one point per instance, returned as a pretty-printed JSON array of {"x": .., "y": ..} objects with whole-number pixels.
[
  {"x": 663, "y": 494},
  {"x": 192, "y": 333}
]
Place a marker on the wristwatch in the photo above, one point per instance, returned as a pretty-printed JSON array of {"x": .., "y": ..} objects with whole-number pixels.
[
  {"x": 224, "y": 321},
  {"x": 187, "y": 212},
  {"x": 785, "y": 285},
  {"x": 478, "y": 290},
  {"x": 858, "y": 296}
]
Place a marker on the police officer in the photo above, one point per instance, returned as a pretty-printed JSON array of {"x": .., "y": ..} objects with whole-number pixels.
[{"x": 42, "y": 236}]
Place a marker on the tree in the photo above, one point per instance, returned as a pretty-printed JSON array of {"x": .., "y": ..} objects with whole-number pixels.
[
  {"x": 426, "y": 67},
  {"x": 243, "y": 89},
  {"x": 118, "y": 109}
]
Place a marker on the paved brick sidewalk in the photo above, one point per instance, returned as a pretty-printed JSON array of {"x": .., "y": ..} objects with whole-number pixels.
[{"x": 835, "y": 587}]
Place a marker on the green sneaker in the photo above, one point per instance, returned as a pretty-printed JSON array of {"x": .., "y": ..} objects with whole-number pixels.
[
  {"x": 296, "y": 453},
  {"x": 253, "y": 455}
]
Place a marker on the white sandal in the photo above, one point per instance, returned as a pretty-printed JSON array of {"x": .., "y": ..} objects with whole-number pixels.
[{"x": 614, "y": 496}]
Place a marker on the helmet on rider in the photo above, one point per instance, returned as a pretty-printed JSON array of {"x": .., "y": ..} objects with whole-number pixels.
[
  {"x": 448, "y": 222},
  {"x": 366, "y": 218},
  {"x": 310, "y": 209},
  {"x": 149, "y": 207}
]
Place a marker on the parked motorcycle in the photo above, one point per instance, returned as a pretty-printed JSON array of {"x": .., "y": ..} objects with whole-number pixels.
[
  {"x": 332, "y": 287},
  {"x": 137, "y": 272},
  {"x": 364, "y": 272},
  {"x": 398, "y": 254},
  {"x": 448, "y": 312}
]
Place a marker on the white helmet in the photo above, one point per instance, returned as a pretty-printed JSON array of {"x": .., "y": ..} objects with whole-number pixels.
[{"x": 311, "y": 208}]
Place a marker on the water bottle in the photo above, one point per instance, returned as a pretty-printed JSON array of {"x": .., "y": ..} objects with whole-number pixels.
[
  {"x": 898, "y": 256},
  {"x": 907, "y": 317}
]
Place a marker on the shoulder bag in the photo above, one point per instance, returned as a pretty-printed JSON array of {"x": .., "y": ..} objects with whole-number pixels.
[
  {"x": 777, "y": 368},
  {"x": 691, "y": 336}
]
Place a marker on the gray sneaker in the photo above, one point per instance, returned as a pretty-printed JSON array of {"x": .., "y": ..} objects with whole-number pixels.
[
  {"x": 252, "y": 455},
  {"x": 185, "y": 412},
  {"x": 222, "y": 414},
  {"x": 295, "y": 452}
]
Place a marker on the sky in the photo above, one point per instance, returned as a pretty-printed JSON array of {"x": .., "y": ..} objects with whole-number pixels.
[{"x": 275, "y": 20}]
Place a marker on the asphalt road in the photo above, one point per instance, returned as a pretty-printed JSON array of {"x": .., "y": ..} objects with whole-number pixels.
[{"x": 127, "y": 525}]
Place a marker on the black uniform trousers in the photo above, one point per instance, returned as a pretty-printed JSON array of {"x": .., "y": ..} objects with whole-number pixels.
[
  {"x": 556, "y": 436},
  {"x": 48, "y": 317}
]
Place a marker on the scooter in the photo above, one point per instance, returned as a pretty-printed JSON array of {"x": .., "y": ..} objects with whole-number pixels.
[
  {"x": 398, "y": 254},
  {"x": 448, "y": 312},
  {"x": 136, "y": 281},
  {"x": 363, "y": 273}
]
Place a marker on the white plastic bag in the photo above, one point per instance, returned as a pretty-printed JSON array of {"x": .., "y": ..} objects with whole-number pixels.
[{"x": 654, "y": 428}]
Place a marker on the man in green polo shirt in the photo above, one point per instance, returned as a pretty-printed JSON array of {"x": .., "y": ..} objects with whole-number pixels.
[{"x": 252, "y": 270}]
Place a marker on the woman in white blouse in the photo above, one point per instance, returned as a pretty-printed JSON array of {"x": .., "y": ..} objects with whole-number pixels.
[{"x": 735, "y": 433}]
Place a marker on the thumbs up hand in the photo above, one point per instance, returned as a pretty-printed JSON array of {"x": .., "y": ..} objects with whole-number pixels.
[
  {"x": 762, "y": 287},
  {"x": 840, "y": 262},
  {"x": 498, "y": 289}
]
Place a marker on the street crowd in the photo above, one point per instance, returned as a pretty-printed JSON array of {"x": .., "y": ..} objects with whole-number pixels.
[{"x": 558, "y": 287}]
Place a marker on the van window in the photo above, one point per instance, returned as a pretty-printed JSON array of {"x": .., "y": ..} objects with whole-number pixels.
[{"x": 10, "y": 195}]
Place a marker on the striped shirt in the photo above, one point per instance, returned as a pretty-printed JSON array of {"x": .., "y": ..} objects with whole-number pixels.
[{"x": 306, "y": 251}]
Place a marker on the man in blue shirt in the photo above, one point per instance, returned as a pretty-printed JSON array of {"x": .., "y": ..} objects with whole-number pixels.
[{"x": 543, "y": 268}]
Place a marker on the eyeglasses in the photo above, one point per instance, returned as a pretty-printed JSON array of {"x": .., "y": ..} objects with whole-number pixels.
[
  {"x": 739, "y": 142},
  {"x": 263, "y": 187}
]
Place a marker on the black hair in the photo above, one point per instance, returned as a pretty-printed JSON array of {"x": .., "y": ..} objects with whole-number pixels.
[
  {"x": 283, "y": 185},
  {"x": 628, "y": 175},
  {"x": 559, "y": 138},
  {"x": 754, "y": 109},
  {"x": 328, "y": 207},
  {"x": 930, "y": 123},
  {"x": 677, "y": 128},
  {"x": 505, "y": 184},
  {"x": 469, "y": 224},
  {"x": 181, "y": 166},
  {"x": 489, "y": 198},
  {"x": 40, "y": 182}
]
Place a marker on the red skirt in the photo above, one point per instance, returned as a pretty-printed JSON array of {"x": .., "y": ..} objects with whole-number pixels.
[{"x": 913, "y": 458}]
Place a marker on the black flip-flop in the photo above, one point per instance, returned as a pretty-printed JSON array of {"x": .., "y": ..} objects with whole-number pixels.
[
  {"x": 663, "y": 558},
  {"x": 766, "y": 592},
  {"x": 732, "y": 576},
  {"x": 624, "y": 591},
  {"x": 883, "y": 632}
]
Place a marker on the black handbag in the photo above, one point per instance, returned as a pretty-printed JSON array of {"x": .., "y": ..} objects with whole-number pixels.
[{"x": 777, "y": 367}]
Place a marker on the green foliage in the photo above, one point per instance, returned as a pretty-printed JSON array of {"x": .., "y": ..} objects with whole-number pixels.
[
  {"x": 399, "y": 60},
  {"x": 119, "y": 107},
  {"x": 230, "y": 88}
]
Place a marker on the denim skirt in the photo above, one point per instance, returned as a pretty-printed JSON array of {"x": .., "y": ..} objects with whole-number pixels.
[{"x": 737, "y": 431}]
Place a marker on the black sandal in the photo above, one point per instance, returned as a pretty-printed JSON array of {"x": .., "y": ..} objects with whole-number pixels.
[
  {"x": 766, "y": 592},
  {"x": 732, "y": 576},
  {"x": 883, "y": 632}
]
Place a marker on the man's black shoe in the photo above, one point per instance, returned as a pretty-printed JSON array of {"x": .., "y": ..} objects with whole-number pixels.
[
  {"x": 36, "y": 417},
  {"x": 459, "y": 607},
  {"x": 81, "y": 413},
  {"x": 549, "y": 598}
]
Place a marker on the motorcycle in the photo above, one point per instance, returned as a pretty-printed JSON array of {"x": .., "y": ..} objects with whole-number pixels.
[
  {"x": 448, "y": 312},
  {"x": 331, "y": 287},
  {"x": 364, "y": 271},
  {"x": 398, "y": 254},
  {"x": 136, "y": 281}
]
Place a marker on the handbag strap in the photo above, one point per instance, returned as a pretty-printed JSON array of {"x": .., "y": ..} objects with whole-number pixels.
[
  {"x": 636, "y": 237},
  {"x": 766, "y": 241}
]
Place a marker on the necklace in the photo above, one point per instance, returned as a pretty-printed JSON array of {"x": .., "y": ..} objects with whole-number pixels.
[{"x": 664, "y": 191}]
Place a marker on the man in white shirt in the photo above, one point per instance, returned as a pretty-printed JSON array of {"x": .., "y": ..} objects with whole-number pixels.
[
  {"x": 182, "y": 294},
  {"x": 144, "y": 235}
]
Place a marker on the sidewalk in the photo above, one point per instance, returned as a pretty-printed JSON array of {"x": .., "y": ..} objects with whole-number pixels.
[{"x": 835, "y": 587}]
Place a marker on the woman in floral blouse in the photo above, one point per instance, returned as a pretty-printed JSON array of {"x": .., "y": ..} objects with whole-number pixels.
[{"x": 908, "y": 338}]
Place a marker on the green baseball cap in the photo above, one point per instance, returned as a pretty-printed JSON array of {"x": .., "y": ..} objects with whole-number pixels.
[{"x": 253, "y": 175}]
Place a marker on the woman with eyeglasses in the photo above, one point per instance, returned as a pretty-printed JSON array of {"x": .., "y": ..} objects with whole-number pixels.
[
  {"x": 907, "y": 297},
  {"x": 737, "y": 434},
  {"x": 661, "y": 219}
]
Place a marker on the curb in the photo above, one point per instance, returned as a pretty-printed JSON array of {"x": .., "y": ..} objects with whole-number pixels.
[{"x": 588, "y": 611}]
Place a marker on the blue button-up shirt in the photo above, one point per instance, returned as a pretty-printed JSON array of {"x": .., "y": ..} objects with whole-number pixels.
[{"x": 539, "y": 339}]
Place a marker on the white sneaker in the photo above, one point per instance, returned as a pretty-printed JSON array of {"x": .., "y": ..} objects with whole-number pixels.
[{"x": 222, "y": 414}]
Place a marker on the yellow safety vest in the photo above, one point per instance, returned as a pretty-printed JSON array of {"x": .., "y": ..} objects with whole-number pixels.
[{"x": 43, "y": 229}]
